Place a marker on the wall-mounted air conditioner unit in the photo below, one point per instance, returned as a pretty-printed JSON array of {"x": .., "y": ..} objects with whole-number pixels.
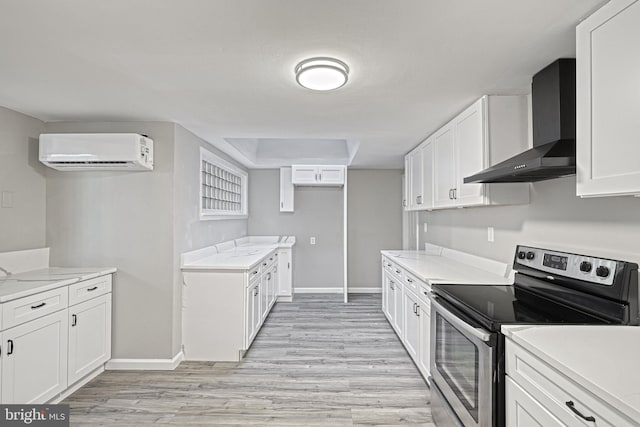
[{"x": 96, "y": 151}]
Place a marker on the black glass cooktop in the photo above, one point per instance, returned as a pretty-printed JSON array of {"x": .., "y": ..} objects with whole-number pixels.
[{"x": 496, "y": 305}]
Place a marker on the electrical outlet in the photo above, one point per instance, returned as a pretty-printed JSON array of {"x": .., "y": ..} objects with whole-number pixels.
[
  {"x": 425, "y": 227},
  {"x": 490, "y": 235},
  {"x": 312, "y": 241},
  {"x": 6, "y": 199}
]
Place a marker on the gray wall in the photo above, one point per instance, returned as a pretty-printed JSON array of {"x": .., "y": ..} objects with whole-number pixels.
[
  {"x": 139, "y": 222},
  {"x": 125, "y": 220},
  {"x": 23, "y": 225},
  {"x": 189, "y": 231},
  {"x": 374, "y": 222},
  {"x": 318, "y": 212},
  {"x": 556, "y": 218}
]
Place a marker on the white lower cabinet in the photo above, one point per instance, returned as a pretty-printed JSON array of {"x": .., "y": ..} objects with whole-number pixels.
[
  {"x": 539, "y": 394},
  {"x": 49, "y": 346},
  {"x": 284, "y": 285},
  {"x": 522, "y": 410},
  {"x": 424, "y": 332},
  {"x": 398, "y": 321},
  {"x": 34, "y": 362},
  {"x": 407, "y": 308},
  {"x": 411, "y": 324},
  {"x": 89, "y": 336}
]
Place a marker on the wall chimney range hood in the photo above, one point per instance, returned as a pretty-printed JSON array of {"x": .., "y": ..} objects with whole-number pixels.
[{"x": 553, "y": 99}]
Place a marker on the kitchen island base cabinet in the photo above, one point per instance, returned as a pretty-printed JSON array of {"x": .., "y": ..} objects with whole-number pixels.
[
  {"x": 284, "y": 275},
  {"x": 34, "y": 362}
]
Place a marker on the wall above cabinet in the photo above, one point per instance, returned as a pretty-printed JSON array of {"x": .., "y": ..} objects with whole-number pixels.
[{"x": 318, "y": 175}]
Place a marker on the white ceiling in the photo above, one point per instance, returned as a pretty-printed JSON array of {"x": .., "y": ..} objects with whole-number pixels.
[{"x": 224, "y": 69}]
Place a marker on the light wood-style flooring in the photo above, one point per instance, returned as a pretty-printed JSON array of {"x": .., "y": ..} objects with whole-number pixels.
[{"x": 316, "y": 361}]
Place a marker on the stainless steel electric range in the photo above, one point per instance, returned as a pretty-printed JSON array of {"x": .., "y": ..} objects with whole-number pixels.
[{"x": 550, "y": 287}]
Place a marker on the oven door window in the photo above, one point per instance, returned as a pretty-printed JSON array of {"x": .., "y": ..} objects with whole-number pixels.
[{"x": 457, "y": 360}]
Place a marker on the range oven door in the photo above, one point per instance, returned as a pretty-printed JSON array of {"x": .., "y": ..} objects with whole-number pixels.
[{"x": 462, "y": 366}]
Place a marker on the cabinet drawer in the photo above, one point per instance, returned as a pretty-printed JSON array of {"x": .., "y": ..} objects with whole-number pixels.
[
  {"x": 254, "y": 274},
  {"x": 88, "y": 289},
  {"x": 412, "y": 282},
  {"x": 555, "y": 391},
  {"x": 423, "y": 293},
  {"x": 32, "y": 307}
]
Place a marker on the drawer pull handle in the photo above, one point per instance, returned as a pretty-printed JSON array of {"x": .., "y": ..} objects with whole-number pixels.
[
  {"x": 42, "y": 304},
  {"x": 397, "y": 271},
  {"x": 74, "y": 320},
  {"x": 255, "y": 272},
  {"x": 9, "y": 347},
  {"x": 92, "y": 289},
  {"x": 572, "y": 406},
  {"x": 409, "y": 280},
  {"x": 417, "y": 310},
  {"x": 264, "y": 264}
]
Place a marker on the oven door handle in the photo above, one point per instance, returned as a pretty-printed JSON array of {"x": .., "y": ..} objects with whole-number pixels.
[{"x": 479, "y": 333}]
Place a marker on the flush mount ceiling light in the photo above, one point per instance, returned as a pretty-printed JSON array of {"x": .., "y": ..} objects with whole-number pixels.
[{"x": 322, "y": 73}]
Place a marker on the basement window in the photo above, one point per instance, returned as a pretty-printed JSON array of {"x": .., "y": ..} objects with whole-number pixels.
[{"x": 223, "y": 188}]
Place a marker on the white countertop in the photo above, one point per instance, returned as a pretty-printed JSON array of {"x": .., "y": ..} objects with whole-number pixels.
[
  {"x": 35, "y": 281},
  {"x": 601, "y": 359},
  {"x": 240, "y": 254},
  {"x": 435, "y": 269}
]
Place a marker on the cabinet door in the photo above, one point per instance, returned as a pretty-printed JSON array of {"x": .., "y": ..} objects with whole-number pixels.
[
  {"x": 522, "y": 410},
  {"x": 411, "y": 324},
  {"x": 284, "y": 272},
  {"x": 331, "y": 174},
  {"x": 249, "y": 313},
  {"x": 608, "y": 103},
  {"x": 424, "y": 349},
  {"x": 427, "y": 176},
  {"x": 398, "y": 320},
  {"x": 304, "y": 174},
  {"x": 444, "y": 168},
  {"x": 265, "y": 284},
  {"x": 34, "y": 365},
  {"x": 406, "y": 183},
  {"x": 469, "y": 153},
  {"x": 274, "y": 286},
  {"x": 416, "y": 200},
  {"x": 391, "y": 303},
  {"x": 286, "y": 190},
  {"x": 89, "y": 336}
]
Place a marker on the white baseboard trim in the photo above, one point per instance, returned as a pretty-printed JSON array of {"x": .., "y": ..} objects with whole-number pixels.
[
  {"x": 145, "y": 364},
  {"x": 365, "y": 290},
  {"x": 284, "y": 299},
  {"x": 317, "y": 291},
  {"x": 68, "y": 392}
]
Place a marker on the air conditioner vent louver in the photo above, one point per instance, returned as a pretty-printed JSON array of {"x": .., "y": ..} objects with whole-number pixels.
[{"x": 98, "y": 151}]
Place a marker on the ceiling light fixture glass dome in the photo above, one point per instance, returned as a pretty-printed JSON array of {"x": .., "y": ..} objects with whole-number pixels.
[{"x": 322, "y": 73}]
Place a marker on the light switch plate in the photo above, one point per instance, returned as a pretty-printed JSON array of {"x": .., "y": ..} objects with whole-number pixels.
[
  {"x": 425, "y": 227},
  {"x": 312, "y": 241},
  {"x": 6, "y": 199},
  {"x": 490, "y": 234}
]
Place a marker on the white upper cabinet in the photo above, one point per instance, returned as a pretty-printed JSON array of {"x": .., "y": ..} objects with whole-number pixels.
[
  {"x": 491, "y": 130},
  {"x": 608, "y": 101},
  {"x": 286, "y": 190},
  {"x": 419, "y": 178},
  {"x": 444, "y": 167},
  {"x": 318, "y": 175}
]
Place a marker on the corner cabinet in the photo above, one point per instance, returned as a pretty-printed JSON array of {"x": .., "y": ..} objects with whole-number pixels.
[
  {"x": 310, "y": 175},
  {"x": 489, "y": 131},
  {"x": 608, "y": 101}
]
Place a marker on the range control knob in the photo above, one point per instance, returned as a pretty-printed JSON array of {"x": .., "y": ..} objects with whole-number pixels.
[
  {"x": 531, "y": 255},
  {"x": 585, "y": 266},
  {"x": 602, "y": 271},
  {"x": 521, "y": 254}
]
